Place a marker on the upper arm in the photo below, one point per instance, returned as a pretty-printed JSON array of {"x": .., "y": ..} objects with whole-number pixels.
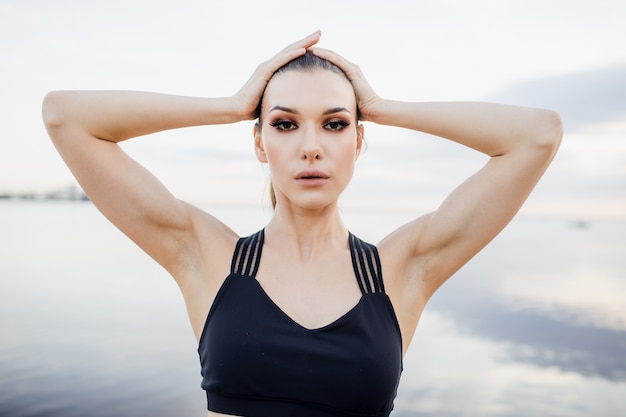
[
  {"x": 427, "y": 251},
  {"x": 476, "y": 211},
  {"x": 129, "y": 195}
]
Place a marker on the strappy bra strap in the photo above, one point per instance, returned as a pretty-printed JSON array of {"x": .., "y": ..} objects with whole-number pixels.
[
  {"x": 247, "y": 256},
  {"x": 366, "y": 264},
  {"x": 365, "y": 261}
]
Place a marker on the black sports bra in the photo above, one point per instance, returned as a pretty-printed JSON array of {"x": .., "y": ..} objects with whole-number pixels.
[{"x": 258, "y": 362}]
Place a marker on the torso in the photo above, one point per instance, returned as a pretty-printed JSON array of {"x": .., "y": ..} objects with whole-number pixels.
[
  {"x": 335, "y": 296},
  {"x": 327, "y": 300},
  {"x": 311, "y": 295}
]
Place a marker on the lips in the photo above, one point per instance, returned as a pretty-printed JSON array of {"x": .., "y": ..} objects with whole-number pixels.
[
  {"x": 311, "y": 178},
  {"x": 309, "y": 175}
]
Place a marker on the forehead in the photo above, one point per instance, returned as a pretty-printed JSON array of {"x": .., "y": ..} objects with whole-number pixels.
[{"x": 314, "y": 90}]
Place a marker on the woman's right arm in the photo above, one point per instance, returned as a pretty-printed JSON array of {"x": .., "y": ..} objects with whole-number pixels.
[{"x": 86, "y": 128}]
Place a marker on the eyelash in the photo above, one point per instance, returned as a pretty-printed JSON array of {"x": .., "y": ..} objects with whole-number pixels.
[
  {"x": 281, "y": 125},
  {"x": 342, "y": 124}
]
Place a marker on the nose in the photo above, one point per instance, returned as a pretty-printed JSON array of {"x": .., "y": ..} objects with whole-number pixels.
[{"x": 311, "y": 148}]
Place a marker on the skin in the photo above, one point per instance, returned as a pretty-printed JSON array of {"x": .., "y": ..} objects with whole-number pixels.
[
  {"x": 309, "y": 123},
  {"x": 309, "y": 127}
]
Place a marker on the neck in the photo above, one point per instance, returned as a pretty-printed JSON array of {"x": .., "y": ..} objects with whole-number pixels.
[{"x": 307, "y": 232}]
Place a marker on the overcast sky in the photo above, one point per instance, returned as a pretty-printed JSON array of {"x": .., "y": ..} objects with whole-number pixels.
[{"x": 565, "y": 55}]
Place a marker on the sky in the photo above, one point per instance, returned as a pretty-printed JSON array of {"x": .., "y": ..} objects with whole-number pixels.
[{"x": 568, "y": 56}]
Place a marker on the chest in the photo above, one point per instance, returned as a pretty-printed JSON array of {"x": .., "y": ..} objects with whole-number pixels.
[
  {"x": 250, "y": 342},
  {"x": 311, "y": 295},
  {"x": 344, "y": 361}
]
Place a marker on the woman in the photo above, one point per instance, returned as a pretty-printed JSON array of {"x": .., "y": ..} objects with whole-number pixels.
[{"x": 303, "y": 317}]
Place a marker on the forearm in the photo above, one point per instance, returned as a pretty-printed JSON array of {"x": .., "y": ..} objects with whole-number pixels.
[
  {"x": 119, "y": 115},
  {"x": 493, "y": 129}
]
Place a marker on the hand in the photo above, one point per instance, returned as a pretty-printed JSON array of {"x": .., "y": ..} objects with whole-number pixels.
[
  {"x": 366, "y": 99},
  {"x": 250, "y": 94}
]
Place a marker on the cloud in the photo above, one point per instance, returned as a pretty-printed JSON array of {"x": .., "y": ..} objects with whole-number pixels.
[{"x": 582, "y": 98}]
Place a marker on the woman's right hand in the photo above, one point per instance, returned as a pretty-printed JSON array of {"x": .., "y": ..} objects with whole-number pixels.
[{"x": 248, "y": 97}]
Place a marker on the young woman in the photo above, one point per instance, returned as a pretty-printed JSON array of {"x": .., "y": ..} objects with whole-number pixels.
[{"x": 302, "y": 318}]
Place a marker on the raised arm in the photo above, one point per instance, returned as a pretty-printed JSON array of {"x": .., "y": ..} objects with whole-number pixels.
[
  {"x": 86, "y": 127},
  {"x": 520, "y": 142}
]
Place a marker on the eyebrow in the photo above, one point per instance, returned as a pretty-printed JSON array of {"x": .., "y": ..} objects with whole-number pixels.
[{"x": 325, "y": 113}]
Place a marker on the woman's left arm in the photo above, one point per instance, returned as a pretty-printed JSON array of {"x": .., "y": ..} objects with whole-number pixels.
[{"x": 521, "y": 142}]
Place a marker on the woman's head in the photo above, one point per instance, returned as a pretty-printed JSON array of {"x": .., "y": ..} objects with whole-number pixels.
[{"x": 308, "y": 126}]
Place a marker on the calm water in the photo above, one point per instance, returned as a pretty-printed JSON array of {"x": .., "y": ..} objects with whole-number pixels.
[{"x": 89, "y": 326}]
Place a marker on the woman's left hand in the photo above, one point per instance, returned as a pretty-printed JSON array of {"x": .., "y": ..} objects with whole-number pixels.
[{"x": 367, "y": 99}]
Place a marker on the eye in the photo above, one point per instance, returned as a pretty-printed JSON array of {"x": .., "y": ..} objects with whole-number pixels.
[
  {"x": 336, "y": 125},
  {"x": 284, "y": 125}
]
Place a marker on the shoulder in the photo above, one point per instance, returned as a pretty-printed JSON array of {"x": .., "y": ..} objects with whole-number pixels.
[
  {"x": 204, "y": 260},
  {"x": 211, "y": 242},
  {"x": 201, "y": 252},
  {"x": 405, "y": 265},
  {"x": 404, "y": 262},
  {"x": 403, "y": 247}
]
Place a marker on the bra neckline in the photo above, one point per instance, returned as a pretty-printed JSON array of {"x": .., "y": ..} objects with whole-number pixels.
[{"x": 344, "y": 316}]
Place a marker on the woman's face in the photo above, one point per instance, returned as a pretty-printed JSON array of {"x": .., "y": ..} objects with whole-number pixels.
[{"x": 309, "y": 136}]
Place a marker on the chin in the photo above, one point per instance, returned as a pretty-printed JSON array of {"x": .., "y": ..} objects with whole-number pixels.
[
  {"x": 316, "y": 206},
  {"x": 312, "y": 203}
]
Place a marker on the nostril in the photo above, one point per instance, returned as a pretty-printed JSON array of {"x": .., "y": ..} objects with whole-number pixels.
[{"x": 306, "y": 156}]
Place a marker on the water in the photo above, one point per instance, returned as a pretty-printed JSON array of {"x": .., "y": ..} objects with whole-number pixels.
[{"x": 535, "y": 325}]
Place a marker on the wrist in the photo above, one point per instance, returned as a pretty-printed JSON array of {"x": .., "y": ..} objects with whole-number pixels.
[
  {"x": 375, "y": 110},
  {"x": 224, "y": 110}
]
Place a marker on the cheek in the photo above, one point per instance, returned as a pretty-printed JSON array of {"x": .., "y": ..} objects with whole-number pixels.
[
  {"x": 350, "y": 148},
  {"x": 275, "y": 151}
]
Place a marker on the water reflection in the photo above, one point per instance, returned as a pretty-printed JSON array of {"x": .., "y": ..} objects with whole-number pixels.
[
  {"x": 546, "y": 342},
  {"x": 539, "y": 302},
  {"x": 456, "y": 369},
  {"x": 548, "y": 335},
  {"x": 534, "y": 326},
  {"x": 524, "y": 330}
]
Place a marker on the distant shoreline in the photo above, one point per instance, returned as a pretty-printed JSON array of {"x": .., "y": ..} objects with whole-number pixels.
[{"x": 71, "y": 193}]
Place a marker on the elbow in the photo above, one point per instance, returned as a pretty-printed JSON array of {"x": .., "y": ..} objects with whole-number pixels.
[
  {"x": 549, "y": 131},
  {"x": 54, "y": 111}
]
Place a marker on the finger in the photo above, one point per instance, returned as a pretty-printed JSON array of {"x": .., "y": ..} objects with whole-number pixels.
[
  {"x": 306, "y": 42},
  {"x": 291, "y": 52},
  {"x": 350, "y": 69},
  {"x": 333, "y": 57},
  {"x": 297, "y": 46},
  {"x": 327, "y": 54}
]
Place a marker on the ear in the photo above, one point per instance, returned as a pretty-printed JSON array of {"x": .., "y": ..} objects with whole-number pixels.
[
  {"x": 259, "y": 148},
  {"x": 360, "y": 131}
]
